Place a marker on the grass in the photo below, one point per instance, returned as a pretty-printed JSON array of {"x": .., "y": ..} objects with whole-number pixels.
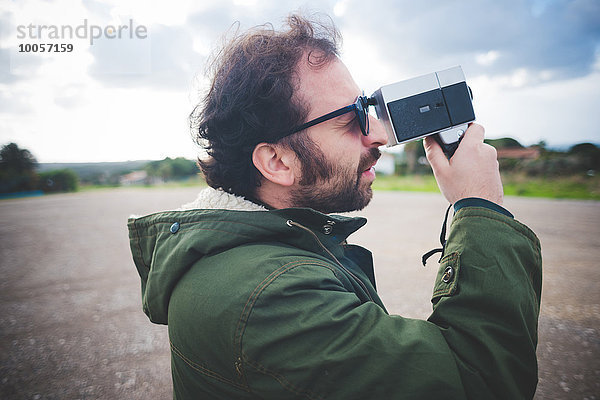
[
  {"x": 574, "y": 187},
  {"x": 406, "y": 183}
]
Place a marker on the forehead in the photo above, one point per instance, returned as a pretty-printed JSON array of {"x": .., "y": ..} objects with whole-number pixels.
[{"x": 326, "y": 88}]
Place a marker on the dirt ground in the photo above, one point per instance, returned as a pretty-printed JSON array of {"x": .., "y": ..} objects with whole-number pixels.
[{"x": 71, "y": 324}]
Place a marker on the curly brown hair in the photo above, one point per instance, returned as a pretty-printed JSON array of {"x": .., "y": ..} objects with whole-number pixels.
[{"x": 251, "y": 98}]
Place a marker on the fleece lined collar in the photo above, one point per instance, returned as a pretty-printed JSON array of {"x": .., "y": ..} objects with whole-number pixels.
[{"x": 218, "y": 199}]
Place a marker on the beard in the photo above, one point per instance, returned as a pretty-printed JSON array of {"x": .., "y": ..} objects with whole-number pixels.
[{"x": 328, "y": 187}]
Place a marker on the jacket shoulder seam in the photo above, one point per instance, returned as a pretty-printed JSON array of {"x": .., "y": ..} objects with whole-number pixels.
[
  {"x": 246, "y": 310},
  {"x": 183, "y": 230}
]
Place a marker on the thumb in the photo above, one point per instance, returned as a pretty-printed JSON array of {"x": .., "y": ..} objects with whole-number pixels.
[{"x": 435, "y": 155}]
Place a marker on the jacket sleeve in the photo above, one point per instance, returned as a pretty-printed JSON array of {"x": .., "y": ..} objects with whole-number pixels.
[
  {"x": 305, "y": 334},
  {"x": 487, "y": 301}
]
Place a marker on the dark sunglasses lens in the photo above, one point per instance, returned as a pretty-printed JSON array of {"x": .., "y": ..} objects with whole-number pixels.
[{"x": 363, "y": 117}]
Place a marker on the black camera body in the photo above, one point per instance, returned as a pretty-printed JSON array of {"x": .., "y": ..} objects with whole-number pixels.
[{"x": 439, "y": 103}]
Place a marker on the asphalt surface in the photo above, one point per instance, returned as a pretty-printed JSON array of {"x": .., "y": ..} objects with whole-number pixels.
[{"x": 71, "y": 324}]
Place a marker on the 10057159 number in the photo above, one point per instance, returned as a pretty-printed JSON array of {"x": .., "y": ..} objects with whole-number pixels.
[{"x": 45, "y": 48}]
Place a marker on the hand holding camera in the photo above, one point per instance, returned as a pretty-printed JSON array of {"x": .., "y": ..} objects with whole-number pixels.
[{"x": 472, "y": 171}]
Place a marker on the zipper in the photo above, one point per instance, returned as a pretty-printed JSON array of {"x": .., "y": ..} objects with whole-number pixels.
[{"x": 290, "y": 223}]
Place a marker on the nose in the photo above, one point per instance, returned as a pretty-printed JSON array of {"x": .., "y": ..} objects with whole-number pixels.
[{"x": 377, "y": 135}]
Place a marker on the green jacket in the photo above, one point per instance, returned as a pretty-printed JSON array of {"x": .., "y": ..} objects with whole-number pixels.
[{"x": 276, "y": 305}]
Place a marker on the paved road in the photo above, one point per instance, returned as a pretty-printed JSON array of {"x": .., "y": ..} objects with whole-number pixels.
[{"x": 71, "y": 325}]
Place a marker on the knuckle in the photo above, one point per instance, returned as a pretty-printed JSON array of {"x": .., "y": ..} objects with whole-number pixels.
[
  {"x": 490, "y": 150},
  {"x": 477, "y": 126}
]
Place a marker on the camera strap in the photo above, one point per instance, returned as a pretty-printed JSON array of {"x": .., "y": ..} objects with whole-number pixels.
[{"x": 442, "y": 240}]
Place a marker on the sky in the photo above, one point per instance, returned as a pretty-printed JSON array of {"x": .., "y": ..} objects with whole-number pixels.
[{"x": 137, "y": 67}]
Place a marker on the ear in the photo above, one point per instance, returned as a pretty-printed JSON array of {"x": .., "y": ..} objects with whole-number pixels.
[{"x": 275, "y": 163}]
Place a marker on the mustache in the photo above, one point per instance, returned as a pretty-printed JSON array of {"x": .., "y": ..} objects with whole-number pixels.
[{"x": 369, "y": 159}]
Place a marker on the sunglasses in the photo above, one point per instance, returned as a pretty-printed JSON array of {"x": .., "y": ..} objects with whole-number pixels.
[{"x": 360, "y": 107}]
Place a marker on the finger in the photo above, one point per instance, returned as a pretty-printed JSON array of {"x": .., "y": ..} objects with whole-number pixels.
[
  {"x": 434, "y": 153},
  {"x": 475, "y": 133}
]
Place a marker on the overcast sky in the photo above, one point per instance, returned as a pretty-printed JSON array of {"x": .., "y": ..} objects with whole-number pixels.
[{"x": 533, "y": 65}]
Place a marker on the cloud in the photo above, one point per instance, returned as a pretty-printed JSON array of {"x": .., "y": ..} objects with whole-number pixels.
[
  {"x": 486, "y": 37},
  {"x": 97, "y": 8},
  {"x": 6, "y": 76},
  {"x": 174, "y": 54},
  {"x": 13, "y": 103},
  {"x": 214, "y": 21},
  {"x": 71, "y": 96},
  {"x": 165, "y": 59},
  {"x": 5, "y": 25},
  {"x": 13, "y": 65}
]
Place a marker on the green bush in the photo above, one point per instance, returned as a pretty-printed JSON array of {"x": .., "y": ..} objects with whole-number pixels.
[
  {"x": 167, "y": 169},
  {"x": 60, "y": 180}
]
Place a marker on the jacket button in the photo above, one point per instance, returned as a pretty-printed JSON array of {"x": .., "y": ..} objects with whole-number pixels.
[
  {"x": 448, "y": 274},
  {"x": 328, "y": 227},
  {"x": 174, "y": 228}
]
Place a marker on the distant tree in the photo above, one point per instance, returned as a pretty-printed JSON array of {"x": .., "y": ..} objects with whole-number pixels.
[
  {"x": 165, "y": 170},
  {"x": 587, "y": 154},
  {"x": 183, "y": 167},
  {"x": 152, "y": 168},
  {"x": 17, "y": 169},
  {"x": 60, "y": 180},
  {"x": 584, "y": 148},
  {"x": 504, "y": 143},
  {"x": 15, "y": 159},
  {"x": 169, "y": 168},
  {"x": 414, "y": 151},
  {"x": 542, "y": 145}
]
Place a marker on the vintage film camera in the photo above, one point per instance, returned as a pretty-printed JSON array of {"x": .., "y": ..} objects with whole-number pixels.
[{"x": 437, "y": 104}]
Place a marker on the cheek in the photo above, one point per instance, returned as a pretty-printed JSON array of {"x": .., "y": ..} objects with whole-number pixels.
[
  {"x": 344, "y": 151},
  {"x": 349, "y": 163},
  {"x": 352, "y": 153}
]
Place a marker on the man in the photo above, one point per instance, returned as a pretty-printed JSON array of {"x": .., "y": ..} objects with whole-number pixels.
[{"x": 263, "y": 296}]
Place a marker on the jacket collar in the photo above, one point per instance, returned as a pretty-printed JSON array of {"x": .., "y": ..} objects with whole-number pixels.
[
  {"x": 330, "y": 225},
  {"x": 166, "y": 244},
  {"x": 217, "y": 199}
]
